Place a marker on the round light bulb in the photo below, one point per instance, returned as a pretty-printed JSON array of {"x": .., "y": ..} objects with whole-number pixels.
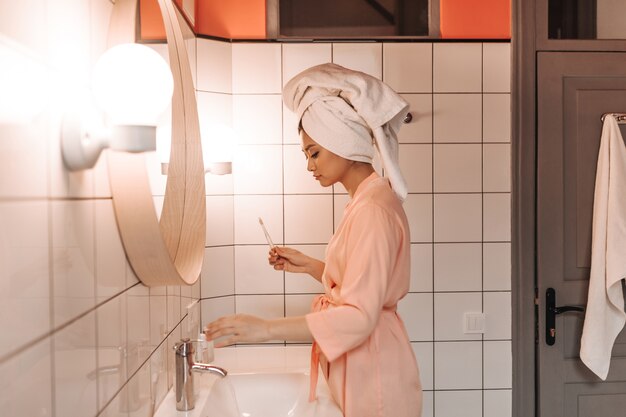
[{"x": 133, "y": 84}]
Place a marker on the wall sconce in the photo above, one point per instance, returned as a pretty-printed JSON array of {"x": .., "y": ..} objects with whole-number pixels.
[{"x": 132, "y": 85}]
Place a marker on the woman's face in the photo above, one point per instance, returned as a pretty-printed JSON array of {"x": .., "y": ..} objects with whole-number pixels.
[{"x": 326, "y": 167}]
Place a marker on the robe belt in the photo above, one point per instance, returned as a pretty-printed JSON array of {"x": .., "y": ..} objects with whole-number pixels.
[{"x": 322, "y": 302}]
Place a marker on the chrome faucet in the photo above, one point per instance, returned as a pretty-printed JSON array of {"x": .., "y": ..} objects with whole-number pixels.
[{"x": 185, "y": 395}]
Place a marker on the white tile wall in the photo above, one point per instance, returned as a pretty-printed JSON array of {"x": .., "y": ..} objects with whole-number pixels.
[
  {"x": 497, "y": 67},
  {"x": 496, "y": 167},
  {"x": 73, "y": 264},
  {"x": 215, "y": 64},
  {"x": 308, "y": 218},
  {"x": 496, "y": 118},
  {"x": 408, "y": 67},
  {"x": 416, "y": 162},
  {"x": 24, "y": 272},
  {"x": 298, "y": 304},
  {"x": 459, "y": 403},
  {"x": 497, "y": 372},
  {"x": 498, "y": 403},
  {"x": 448, "y": 314},
  {"x": 111, "y": 259},
  {"x": 76, "y": 372},
  {"x": 457, "y": 217},
  {"x": 158, "y": 315},
  {"x": 420, "y": 128},
  {"x": 428, "y": 404},
  {"x": 365, "y": 57},
  {"x": 214, "y": 308},
  {"x": 253, "y": 275},
  {"x": 257, "y": 169},
  {"x": 219, "y": 265},
  {"x": 138, "y": 310},
  {"x": 416, "y": 310},
  {"x": 290, "y": 127},
  {"x": 421, "y": 267},
  {"x": 112, "y": 334},
  {"x": 219, "y": 220},
  {"x": 497, "y": 308},
  {"x": 497, "y": 266},
  {"x": 497, "y": 217},
  {"x": 298, "y": 57},
  {"x": 450, "y": 358},
  {"x": 457, "y": 118},
  {"x": 137, "y": 393},
  {"x": 266, "y": 306},
  {"x": 256, "y": 118},
  {"x": 248, "y": 209},
  {"x": 18, "y": 377},
  {"x": 24, "y": 171},
  {"x": 457, "y": 266},
  {"x": 457, "y": 67},
  {"x": 158, "y": 374},
  {"x": 69, "y": 299},
  {"x": 457, "y": 168},
  {"x": 256, "y": 68},
  {"x": 419, "y": 210},
  {"x": 424, "y": 354}
]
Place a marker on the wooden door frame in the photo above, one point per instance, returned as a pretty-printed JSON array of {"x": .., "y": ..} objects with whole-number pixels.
[{"x": 523, "y": 199}]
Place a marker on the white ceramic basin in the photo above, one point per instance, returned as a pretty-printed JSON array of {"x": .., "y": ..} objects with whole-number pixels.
[
  {"x": 265, "y": 395},
  {"x": 262, "y": 382}
]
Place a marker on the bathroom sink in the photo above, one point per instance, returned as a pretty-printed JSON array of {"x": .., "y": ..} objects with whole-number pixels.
[
  {"x": 263, "y": 381},
  {"x": 266, "y": 395}
]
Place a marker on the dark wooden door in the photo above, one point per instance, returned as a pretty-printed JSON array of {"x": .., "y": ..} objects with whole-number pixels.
[{"x": 574, "y": 89}]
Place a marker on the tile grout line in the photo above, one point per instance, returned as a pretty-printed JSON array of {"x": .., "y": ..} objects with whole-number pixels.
[{"x": 432, "y": 219}]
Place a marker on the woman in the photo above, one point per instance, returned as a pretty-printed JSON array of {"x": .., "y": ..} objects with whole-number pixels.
[{"x": 359, "y": 341}]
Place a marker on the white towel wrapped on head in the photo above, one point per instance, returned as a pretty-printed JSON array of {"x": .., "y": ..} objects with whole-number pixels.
[{"x": 350, "y": 113}]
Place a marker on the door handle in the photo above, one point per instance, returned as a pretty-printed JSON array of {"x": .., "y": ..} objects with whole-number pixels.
[{"x": 551, "y": 312}]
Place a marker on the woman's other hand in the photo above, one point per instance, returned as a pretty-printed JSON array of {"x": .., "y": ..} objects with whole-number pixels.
[
  {"x": 237, "y": 328},
  {"x": 291, "y": 260}
]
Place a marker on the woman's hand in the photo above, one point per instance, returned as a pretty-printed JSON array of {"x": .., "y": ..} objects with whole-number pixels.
[
  {"x": 291, "y": 260},
  {"x": 287, "y": 259},
  {"x": 252, "y": 329},
  {"x": 238, "y": 328}
]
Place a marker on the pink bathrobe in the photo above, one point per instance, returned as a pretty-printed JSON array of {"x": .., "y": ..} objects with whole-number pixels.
[{"x": 362, "y": 345}]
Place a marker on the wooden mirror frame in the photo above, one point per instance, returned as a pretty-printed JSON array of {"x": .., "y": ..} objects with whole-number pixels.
[{"x": 169, "y": 251}]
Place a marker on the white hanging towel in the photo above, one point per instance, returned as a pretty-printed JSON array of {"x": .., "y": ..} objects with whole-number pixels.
[{"x": 605, "y": 315}]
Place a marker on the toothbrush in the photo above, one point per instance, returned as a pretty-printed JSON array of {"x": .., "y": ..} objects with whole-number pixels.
[{"x": 267, "y": 235}]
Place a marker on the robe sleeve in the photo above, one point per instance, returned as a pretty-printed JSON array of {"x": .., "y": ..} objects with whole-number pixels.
[{"x": 372, "y": 247}]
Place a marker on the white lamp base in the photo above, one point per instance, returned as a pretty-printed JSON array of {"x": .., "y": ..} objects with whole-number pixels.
[{"x": 81, "y": 144}]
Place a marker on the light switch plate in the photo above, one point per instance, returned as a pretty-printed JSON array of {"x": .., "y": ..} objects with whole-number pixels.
[{"x": 474, "y": 323}]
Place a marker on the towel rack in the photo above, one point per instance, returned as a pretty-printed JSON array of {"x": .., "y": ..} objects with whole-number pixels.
[{"x": 619, "y": 117}]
